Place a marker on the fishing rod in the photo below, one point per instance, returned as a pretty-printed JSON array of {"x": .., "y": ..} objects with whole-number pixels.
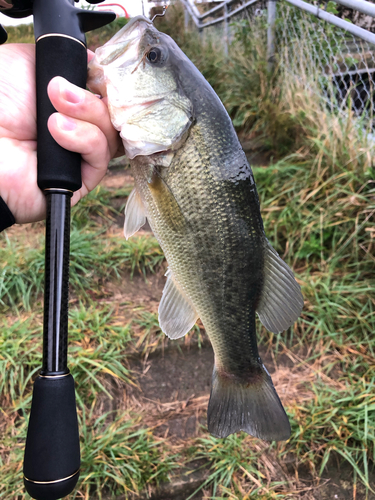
[{"x": 52, "y": 454}]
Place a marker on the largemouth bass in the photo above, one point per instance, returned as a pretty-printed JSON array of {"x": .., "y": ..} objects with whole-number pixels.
[{"x": 196, "y": 188}]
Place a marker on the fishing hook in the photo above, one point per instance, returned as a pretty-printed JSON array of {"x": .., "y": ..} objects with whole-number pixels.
[{"x": 165, "y": 7}]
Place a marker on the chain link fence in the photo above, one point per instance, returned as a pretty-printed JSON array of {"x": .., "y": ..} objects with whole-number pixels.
[{"x": 342, "y": 62}]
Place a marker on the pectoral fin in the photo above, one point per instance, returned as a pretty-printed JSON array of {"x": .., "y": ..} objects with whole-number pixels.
[
  {"x": 177, "y": 314},
  {"x": 135, "y": 216},
  {"x": 166, "y": 202},
  {"x": 281, "y": 301}
]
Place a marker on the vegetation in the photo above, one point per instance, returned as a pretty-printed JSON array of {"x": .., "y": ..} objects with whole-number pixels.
[
  {"x": 24, "y": 33},
  {"x": 317, "y": 193},
  {"x": 22, "y": 267}
]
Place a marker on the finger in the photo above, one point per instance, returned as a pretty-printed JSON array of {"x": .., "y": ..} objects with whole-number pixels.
[
  {"x": 88, "y": 140},
  {"x": 81, "y": 104},
  {"x": 90, "y": 55},
  {"x": 90, "y": 179}
]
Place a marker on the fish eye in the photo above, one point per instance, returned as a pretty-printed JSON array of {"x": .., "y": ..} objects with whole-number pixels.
[{"x": 154, "y": 55}]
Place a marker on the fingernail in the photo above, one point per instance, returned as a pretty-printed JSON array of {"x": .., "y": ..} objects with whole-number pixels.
[
  {"x": 71, "y": 93},
  {"x": 66, "y": 123}
]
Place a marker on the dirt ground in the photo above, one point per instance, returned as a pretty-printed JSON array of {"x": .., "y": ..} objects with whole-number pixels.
[{"x": 174, "y": 387}]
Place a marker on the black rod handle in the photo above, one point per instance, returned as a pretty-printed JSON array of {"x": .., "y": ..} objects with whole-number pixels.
[
  {"x": 52, "y": 456},
  {"x": 57, "y": 167},
  {"x": 60, "y": 51}
]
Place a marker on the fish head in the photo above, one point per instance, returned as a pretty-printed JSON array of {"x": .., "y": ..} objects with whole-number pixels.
[{"x": 138, "y": 71}]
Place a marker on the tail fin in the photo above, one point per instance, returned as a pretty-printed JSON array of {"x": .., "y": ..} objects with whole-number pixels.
[{"x": 251, "y": 407}]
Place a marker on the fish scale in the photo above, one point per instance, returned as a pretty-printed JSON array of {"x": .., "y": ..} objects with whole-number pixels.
[
  {"x": 194, "y": 185},
  {"x": 226, "y": 238}
]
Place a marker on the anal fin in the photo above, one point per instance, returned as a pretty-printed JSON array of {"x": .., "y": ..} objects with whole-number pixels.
[
  {"x": 177, "y": 314},
  {"x": 281, "y": 301}
]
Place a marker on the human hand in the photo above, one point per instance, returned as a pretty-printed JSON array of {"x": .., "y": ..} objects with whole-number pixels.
[{"x": 81, "y": 124}]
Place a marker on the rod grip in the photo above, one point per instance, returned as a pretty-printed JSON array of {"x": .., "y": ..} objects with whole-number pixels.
[
  {"x": 57, "y": 55},
  {"x": 52, "y": 456}
]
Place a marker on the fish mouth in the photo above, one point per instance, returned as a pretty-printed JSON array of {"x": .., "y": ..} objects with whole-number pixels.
[
  {"x": 122, "y": 50},
  {"x": 134, "y": 21},
  {"x": 127, "y": 41},
  {"x": 130, "y": 27}
]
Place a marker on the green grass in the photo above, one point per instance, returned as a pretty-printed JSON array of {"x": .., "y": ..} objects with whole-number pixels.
[
  {"x": 148, "y": 337},
  {"x": 121, "y": 457},
  {"x": 98, "y": 350},
  {"x": 22, "y": 267},
  {"x": 98, "y": 361},
  {"x": 343, "y": 418},
  {"x": 95, "y": 208},
  {"x": 118, "y": 457},
  {"x": 226, "y": 461},
  {"x": 140, "y": 254},
  {"x": 240, "y": 469},
  {"x": 20, "y": 359},
  {"x": 24, "y": 33},
  {"x": 21, "y": 273}
]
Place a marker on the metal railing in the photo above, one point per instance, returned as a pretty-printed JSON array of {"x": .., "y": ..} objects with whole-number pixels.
[{"x": 225, "y": 18}]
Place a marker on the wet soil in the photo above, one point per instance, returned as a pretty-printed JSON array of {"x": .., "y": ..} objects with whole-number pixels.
[{"x": 137, "y": 290}]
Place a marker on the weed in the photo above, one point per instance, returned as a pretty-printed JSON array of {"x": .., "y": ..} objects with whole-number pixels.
[
  {"x": 243, "y": 469},
  {"x": 98, "y": 203},
  {"x": 344, "y": 417},
  {"x": 20, "y": 359},
  {"x": 11, "y": 457},
  {"x": 24, "y": 33},
  {"x": 22, "y": 268},
  {"x": 149, "y": 335},
  {"x": 120, "y": 457},
  {"x": 98, "y": 352},
  {"x": 139, "y": 253}
]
